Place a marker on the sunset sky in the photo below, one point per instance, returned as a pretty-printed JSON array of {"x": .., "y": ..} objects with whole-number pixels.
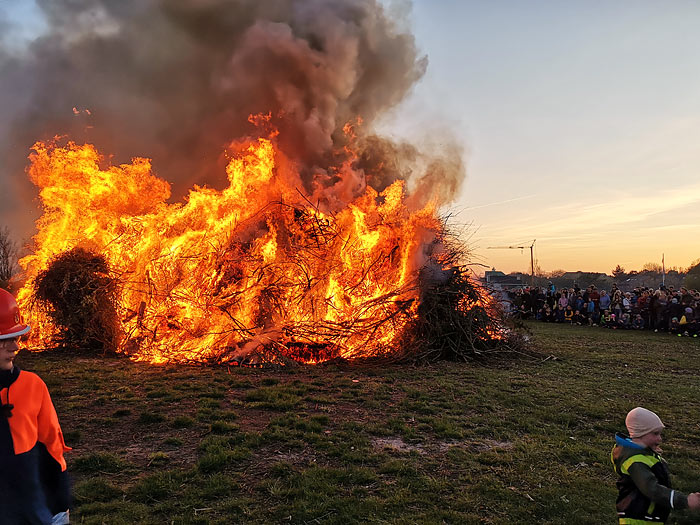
[{"x": 581, "y": 123}]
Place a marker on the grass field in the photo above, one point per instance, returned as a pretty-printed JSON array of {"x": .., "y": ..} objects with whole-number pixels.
[{"x": 508, "y": 442}]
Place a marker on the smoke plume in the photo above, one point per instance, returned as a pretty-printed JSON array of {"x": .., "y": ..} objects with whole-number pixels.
[{"x": 175, "y": 81}]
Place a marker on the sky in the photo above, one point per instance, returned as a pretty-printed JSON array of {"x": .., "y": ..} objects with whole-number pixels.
[{"x": 580, "y": 123}]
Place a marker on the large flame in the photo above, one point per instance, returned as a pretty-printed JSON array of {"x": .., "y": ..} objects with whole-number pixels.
[{"x": 227, "y": 273}]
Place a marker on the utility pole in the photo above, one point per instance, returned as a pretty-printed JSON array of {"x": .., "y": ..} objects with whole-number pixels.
[
  {"x": 532, "y": 256},
  {"x": 663, "y": 270}
]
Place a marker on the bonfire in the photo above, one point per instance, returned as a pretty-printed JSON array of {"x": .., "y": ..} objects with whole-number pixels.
[
  {"x": 220, "y": 191},
  {"x": 259, "y": 272}
]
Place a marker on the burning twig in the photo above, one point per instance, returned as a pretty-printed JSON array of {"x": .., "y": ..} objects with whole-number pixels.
[{"x": 235, "y": 276}]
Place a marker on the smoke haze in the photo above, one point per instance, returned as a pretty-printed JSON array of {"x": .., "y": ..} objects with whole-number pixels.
[{"x": 175, "y": 81}]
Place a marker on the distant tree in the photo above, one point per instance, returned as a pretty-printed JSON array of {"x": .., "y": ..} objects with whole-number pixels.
[
  {"x": 618, "y": 272},
  {"x": 540, "y": 274},
  {"x": 692, "y": 279},
  {"x": 692, "y": 265},
  {"x": 652, "y": 267},
  {"x": 556, "y": 273},
  {"x": 8, "y": 257}
]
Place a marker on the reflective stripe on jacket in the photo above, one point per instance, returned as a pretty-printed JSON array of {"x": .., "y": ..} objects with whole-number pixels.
[{"x": 645, "y": 494}]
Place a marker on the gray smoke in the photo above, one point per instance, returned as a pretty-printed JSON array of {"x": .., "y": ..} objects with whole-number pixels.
[{"x": 175, "y": 81}]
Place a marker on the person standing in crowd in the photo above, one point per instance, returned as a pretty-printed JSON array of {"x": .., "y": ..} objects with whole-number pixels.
[
  {"x": 627, "y": 302},
  {"x": 591, "y": 313},
  {"x": 595, "y": 297},
  {"x": 562, "y": 303},
  {"x": 686, "y": 297},
  {"x": 643, "y": 302},
  {"x": 661, "y": 317},
  {"x": 579, "y": 302}
]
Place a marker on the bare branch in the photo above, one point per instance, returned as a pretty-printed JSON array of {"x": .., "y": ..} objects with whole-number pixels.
[{"x": 8, "y": 257}]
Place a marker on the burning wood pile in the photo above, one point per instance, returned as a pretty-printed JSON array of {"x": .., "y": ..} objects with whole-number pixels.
[
  {"x": 307, "y": 239},
  {"x": 253, "y": 274}
]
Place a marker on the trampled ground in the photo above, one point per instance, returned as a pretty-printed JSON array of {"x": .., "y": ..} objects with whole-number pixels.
[{"x": 508, "y": 442}]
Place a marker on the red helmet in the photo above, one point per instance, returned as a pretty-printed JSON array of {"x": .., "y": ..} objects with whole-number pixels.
[{"x": 11, "y": 324}]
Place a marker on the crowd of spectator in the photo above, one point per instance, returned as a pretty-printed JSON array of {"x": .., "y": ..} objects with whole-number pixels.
[{"x": 661, "y": 310}]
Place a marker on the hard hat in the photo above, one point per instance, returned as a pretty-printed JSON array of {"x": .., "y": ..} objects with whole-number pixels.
[{"x": 11, "y": 324}]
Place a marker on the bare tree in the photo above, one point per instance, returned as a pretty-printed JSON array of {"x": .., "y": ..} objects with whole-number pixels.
[
  {"x": 8, "y": 257},
  {"x": 652, "y": 267}
]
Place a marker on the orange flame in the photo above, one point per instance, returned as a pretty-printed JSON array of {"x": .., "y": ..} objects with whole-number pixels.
[{"x": 228, "y": 273}]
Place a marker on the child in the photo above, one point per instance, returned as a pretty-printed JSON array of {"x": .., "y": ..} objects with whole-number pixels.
[
  {"x": 675, "y": 327},
  {"x": 592, "y": 314},
  {"x": 607, "y": 320},
  {"x": 625, "y": 322},
  {"x": 524, "y": 312},
  {"x": 34, "y": 485},
  {"x": 569, "y": 315},
  {"x": 638, "y": 323},
  {"x": 645, "y": 494},
  {"x": 686, "y": 322}
]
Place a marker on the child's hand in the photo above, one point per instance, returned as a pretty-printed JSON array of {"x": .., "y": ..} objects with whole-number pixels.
[{"x": 694, "y": 501}]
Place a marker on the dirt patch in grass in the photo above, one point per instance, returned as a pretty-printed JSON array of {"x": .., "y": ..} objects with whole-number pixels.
[{"x": 396, "y": 444}]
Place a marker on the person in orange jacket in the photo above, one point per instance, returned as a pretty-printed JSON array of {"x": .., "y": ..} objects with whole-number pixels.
[{"x": 33, "y": 480}]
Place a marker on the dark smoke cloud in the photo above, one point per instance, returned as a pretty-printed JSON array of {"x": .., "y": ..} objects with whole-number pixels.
[{"x": 175, "y": 81}]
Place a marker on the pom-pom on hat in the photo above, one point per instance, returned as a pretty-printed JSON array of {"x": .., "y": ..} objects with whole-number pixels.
[{"x": 640, "y": 421}]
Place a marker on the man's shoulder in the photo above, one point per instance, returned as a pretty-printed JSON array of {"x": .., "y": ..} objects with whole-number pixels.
[{"x": 29, "y": 378}]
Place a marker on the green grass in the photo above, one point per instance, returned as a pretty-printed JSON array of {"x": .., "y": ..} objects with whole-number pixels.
[{"x": 504, "y": 442}]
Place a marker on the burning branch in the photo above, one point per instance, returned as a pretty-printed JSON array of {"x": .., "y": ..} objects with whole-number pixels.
[{"x": 254, "y": 273}]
